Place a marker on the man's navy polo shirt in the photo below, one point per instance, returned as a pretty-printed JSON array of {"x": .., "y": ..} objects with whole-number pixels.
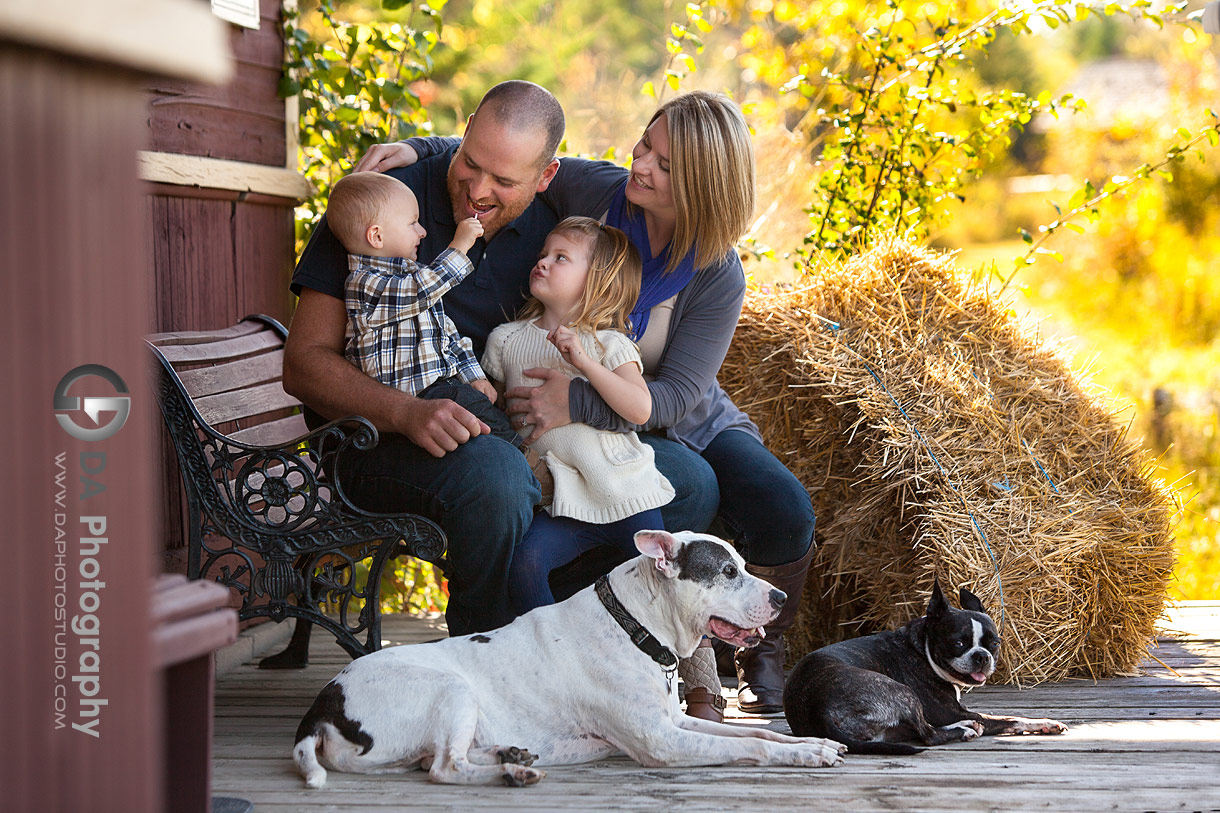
[{"x": 488, "y": 297}]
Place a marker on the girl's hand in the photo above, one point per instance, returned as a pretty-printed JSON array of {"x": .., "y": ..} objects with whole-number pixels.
[{"x": 568, "y": 344}]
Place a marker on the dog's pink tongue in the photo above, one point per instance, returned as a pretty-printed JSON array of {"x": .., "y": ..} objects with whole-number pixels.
[{"x": 980, "y": 677}]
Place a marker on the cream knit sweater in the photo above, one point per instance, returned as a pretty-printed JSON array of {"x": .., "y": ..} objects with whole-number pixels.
[{"x": 600, "y": 476}]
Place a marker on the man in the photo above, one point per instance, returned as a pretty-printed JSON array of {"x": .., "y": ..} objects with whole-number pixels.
[{"x": 435, "y": 458}]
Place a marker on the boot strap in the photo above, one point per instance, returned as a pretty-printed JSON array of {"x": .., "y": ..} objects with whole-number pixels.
[{"x": 707, "y": 697}]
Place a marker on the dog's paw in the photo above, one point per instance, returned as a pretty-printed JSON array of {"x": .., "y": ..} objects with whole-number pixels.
[
  {"x": 831, "y": 746},
  {"x": 1045, "y": 726},
  {"x": 517, "y": 756},
  {"x": 518, "y": 776},
  {"x": 817, "y": 753},
  {"x": 971, "y": 729}
]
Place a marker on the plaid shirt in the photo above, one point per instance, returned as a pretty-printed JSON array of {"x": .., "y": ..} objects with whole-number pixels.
[{"x": 398, "y": 332}]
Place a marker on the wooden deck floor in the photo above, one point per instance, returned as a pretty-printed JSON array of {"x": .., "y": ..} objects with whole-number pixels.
[{"x": 1141, "y": 743}]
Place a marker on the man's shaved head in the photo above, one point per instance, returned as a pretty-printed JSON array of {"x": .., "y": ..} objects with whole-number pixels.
[{"x": 522, "y": 105}]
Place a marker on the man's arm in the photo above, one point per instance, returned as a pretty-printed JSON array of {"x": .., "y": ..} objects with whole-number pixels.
[{"x": 316, "y": 372}]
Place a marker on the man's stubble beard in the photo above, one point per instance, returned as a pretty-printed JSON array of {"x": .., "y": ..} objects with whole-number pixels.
[{"x": 502, "y": 215}]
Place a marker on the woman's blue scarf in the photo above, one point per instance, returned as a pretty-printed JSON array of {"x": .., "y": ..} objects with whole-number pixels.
[{"x": 656, "y": 286}]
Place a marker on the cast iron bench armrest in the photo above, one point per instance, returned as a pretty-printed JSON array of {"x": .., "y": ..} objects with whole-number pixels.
[{"x": 270, "y": 520}]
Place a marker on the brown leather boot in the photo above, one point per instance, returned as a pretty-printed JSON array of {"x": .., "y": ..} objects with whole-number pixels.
[
  {"x": 705, "y": 705},
  {"x": 760, "y": 669},
  {"x": 698, "y": 673}
]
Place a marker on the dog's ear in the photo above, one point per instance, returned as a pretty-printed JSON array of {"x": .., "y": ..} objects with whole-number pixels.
[
  {"x": 970, "y": 601},
  {"x": 661, "y": 547},
  {"x": 937, "y": 606}
]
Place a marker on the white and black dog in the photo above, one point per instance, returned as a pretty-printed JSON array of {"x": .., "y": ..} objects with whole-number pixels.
[
  {"x": 880, "y": 692},
  {"x": 587, "y": 678}
]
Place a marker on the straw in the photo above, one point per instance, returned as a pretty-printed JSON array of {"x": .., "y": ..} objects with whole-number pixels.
[{"x": 938, "y": 435}]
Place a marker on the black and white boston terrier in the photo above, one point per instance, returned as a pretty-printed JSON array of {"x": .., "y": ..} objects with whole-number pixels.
[{"x": 880, "y": 693}]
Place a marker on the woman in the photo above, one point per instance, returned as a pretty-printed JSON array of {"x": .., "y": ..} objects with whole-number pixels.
[{"x": 686, "y": 200}]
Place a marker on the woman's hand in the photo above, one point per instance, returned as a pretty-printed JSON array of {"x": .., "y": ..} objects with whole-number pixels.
[
  {"x": 381, "y": 157},
  {"x": 542, "y": 407}
]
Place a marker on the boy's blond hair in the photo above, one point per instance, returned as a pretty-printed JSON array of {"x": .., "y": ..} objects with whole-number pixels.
[
  {"x": 711, "y": 171},
  {"x": 613, "y": 284},
  {"x": 357, "y": 201}
]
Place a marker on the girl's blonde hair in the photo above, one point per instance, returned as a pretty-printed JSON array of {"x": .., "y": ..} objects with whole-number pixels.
[
  {"x": 613, "y": 283},
  {"x": 711, "y": 171}
]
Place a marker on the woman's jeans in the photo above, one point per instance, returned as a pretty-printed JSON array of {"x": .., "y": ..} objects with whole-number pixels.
[
  {"x": 552, "y": 542},
  {"x": 737, "y": 480}
]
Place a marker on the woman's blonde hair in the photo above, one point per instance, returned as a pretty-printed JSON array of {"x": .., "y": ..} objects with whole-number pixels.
[
  {"x": 711, "y": 170},
  {"x": 613, "y": 283}
]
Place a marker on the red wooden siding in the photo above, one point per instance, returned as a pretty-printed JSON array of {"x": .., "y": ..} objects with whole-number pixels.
[{"x": 240, "y": 121}]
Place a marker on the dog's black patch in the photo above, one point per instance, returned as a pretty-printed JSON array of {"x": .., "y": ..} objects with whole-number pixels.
[
  {"x": 480, "y": 639},
  {"x": 328, "y": 708},
  {"x": 702, "y": 561}
]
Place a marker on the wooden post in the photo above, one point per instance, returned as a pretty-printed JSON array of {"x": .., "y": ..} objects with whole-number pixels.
[{"x": 79, "y": 688}]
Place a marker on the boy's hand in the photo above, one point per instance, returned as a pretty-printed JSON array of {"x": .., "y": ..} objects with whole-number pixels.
[
  {"x": 486, "y": 387},
  {"x": 568, "y": 344},
  {"x": 468, "y": 231}
]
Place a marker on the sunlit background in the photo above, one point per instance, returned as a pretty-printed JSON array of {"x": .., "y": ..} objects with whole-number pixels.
[{"x": 1131, "y": 280}]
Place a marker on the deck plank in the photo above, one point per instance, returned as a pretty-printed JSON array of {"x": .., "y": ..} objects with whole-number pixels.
[{"x": 1150, "y": 741}]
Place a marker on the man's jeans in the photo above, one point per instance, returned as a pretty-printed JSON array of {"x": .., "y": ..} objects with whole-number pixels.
[{"x": 482, "y": 495}]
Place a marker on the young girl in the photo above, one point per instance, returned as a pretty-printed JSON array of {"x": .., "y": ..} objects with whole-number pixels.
[{"x": 606, "y": 486}]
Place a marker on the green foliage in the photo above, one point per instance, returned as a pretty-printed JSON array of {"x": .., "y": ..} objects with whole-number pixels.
[
  {"x": 682, "y": 38},
  {"x": 898, "y": 122},
  {"x": 1085, "y": 203},
  {"x": 413, "y": 586},
  {"x": 355, "y": 85}
]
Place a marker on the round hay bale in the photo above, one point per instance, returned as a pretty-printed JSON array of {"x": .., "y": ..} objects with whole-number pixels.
[{"x": 940, "y": 436}]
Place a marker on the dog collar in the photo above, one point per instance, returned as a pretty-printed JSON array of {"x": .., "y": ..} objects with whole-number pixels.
[{"x": 641, "y": 637}]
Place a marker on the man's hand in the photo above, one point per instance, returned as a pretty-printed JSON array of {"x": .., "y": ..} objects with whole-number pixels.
[
  {"x": 316, "y": 372},
  {"x": 544, "y": 406},
  {"x": 486, "y": 387},
  {"x": 381, "y": 157},
  {"x": 439, "y": 426},
  {"x": 568, "y": 344},
  {"x": 467, "y": 232}
]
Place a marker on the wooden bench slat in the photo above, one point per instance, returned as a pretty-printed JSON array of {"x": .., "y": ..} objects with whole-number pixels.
[
  {"x": 233, "y": 406},
  {"x": 201, "y": 336},
  {"x": 222, "y": 350},
  {"x": 272, "y": 433},
  {"x": 233, "y": 375}
]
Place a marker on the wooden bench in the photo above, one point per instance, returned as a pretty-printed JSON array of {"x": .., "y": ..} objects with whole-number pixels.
[{"x": 267, "y": 516}]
